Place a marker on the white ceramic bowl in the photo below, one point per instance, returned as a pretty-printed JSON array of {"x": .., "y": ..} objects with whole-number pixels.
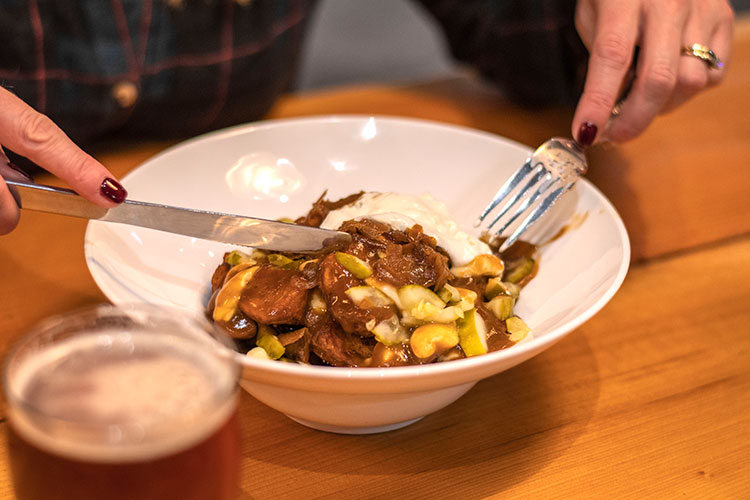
[{"x": 278, "y": 168}]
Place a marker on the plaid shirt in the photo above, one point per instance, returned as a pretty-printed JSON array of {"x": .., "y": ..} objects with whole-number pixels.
[
  {"x": 529, "y": 48},
  {"x": 181, "y": 67}
]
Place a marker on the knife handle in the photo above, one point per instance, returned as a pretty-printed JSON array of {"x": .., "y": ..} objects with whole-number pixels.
[
  {"x": 226, "y": 228},
  {"x": 54, "y": 200}
]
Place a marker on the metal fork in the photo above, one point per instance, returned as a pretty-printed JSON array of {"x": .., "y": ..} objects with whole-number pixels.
[{"x": 554, "y": 167}]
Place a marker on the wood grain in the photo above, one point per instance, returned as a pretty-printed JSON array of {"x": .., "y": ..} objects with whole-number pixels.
[
  {"x": 643, "y": 401},
  {"x": 649, "y": 399}
]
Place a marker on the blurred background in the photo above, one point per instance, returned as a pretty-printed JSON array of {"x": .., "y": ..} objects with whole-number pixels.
[
  {"x": 352, "y": 41},
  {"x": 393, "y": 41}
]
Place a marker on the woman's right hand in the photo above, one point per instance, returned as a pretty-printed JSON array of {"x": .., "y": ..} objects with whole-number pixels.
[
  {"x": 33, "y": 135},
  {"x": 664, "y": 78}
]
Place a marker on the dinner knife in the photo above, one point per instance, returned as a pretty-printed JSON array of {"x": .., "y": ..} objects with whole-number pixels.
[{"x": 226, "y": 228}]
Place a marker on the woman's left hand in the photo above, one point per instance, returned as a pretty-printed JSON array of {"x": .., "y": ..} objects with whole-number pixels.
[{"x": 664, "y": 77}]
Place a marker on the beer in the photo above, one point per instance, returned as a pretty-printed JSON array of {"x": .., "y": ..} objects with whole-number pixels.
[{"x": 122, "y": 412}]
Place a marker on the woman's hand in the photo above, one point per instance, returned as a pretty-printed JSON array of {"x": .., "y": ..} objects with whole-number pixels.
[
  {"x": 664, "y": 78},
  {"x": 35, "y": 136}
]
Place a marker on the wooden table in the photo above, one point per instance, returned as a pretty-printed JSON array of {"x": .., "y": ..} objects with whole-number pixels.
[{"x": 649, "y": 399}]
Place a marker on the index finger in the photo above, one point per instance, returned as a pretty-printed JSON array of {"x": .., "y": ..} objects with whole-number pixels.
[
  {"x": 610, "y": 58},
  {"x": 33, "y": 135}
]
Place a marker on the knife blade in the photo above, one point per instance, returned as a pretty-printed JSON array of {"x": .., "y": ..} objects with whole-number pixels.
[{"x": 226, "y": 228}]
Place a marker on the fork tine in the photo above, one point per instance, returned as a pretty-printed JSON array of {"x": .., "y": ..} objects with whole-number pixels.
[
  {"x": 543, "y": 187},
  {"x": 551, "y": 170},
  {"x": 530, "y": 184},
  {"x": 506, "y": 188},
  {"x": 540, "y": 210}
]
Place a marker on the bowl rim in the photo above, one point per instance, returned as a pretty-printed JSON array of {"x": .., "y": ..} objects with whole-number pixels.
[
  {"x": 334, "y": 118},
  {"x": 391, "y": 379},
  {"x": 467, "y": 367}
]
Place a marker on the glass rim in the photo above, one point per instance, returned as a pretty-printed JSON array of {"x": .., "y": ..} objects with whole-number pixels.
[{"x": 220, "y": 343}]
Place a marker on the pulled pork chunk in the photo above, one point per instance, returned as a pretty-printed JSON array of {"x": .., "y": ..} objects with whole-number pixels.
[
  {"x": 321, "y": 207},
  {"x": 497, "y": 333},
  {"x": 404, "y": 258},
  {"x": 296, "y": 344},
  {"x": 277, "y": 296},
  {"x": 335, "y": 280},
  {"x": 217, "y": 279},
  {"x": 334, "y": 346}
]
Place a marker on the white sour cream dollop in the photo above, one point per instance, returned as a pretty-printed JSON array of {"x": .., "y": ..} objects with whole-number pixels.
[{"x": 403, "y": 211}]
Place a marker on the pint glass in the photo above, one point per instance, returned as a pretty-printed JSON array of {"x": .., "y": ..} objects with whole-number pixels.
[{"x": 122, "y": 402}]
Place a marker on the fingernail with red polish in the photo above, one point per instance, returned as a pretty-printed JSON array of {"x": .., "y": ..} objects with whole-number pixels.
[
  {"x": 586, "y": 134},
  {"x": 113, "y": 190},
  {"x": 19, "y": 170}
]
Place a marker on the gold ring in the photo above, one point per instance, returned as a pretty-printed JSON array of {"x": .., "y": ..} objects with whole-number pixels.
[
  {"x": 617, "y": 109},
  {"x": 704, "y": 54}
]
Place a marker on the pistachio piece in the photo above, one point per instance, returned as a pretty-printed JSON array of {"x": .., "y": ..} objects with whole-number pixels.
[
  {"x": 517, "y": 328},
  {"x": 237, "y": 257},
  {"x": 367, "y": 297},
  {"x": 448, "y": 294},
  {"x": 520, "y": 270},
  {"x": 501, "y": 306},
  {"x": 270, "y": 343},
  {"x": 390, "y": 331},
  {"x": 278, "y": 260},
  {"x": 411, "y": 296},
  {"x": 467, "y": 299},
  {"x": 358, "y": 267},
  {"x": 387, "y": 289},
  {"x": 496, "y": 286},
  {"x": 472, "y": 334}
]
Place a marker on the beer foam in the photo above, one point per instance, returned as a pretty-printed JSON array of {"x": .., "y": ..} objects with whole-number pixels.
[{"x": 122, "y": 396}]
